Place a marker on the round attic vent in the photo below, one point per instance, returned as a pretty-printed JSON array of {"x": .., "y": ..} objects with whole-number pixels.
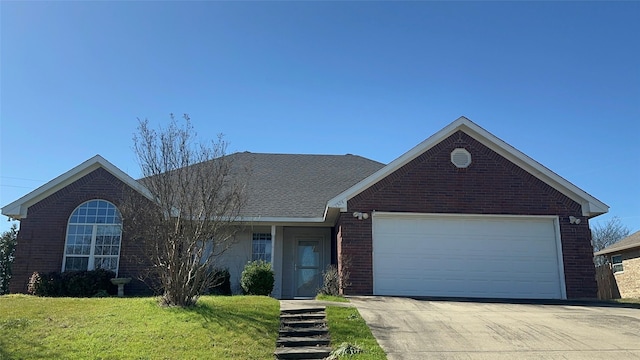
[{"x": 461, "y": 158}]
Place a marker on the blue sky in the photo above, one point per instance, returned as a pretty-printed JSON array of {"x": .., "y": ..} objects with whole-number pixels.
[{"x": 560, "y": 81}]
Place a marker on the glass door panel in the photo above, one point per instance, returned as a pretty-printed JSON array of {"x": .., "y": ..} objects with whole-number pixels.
[{"x": 308, "y": 267}]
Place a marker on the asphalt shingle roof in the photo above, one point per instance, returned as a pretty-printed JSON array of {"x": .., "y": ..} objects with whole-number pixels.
[
  {"x": 298, "y": 185},
  {"x": 629, "y": 242}
]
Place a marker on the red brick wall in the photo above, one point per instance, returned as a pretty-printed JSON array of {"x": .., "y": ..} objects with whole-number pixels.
[
  {"x": 490, "y": 185},
  {"x": 42, "y": 234}
]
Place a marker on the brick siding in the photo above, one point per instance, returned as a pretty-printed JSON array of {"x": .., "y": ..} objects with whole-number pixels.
[
  {"x": 490, "y": 185},
  {"x": 629, "y": 279},
  {"x": 41, "y": 238}
]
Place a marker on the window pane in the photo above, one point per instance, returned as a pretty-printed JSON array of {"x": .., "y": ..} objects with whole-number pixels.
[
  {"x": 616, "y": 263},
  {"x": 261, "y": 247},
  {"x": 76, "y": 263},
  {"x": 108, "y": 263}
]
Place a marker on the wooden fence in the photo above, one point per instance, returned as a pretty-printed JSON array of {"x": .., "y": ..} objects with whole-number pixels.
[{"x": 607, "y": 285}]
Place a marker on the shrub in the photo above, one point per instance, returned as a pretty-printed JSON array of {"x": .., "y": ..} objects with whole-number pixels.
[
  {"x": 257, "y": 278},
  {"x": 101, "y": 294},
  {"x": 72, "y": 283},
  {"x": 221, "y": 282},
  {"x": 330, "y": 281},
  {"x": 334, "y": 281},
  {"x": 45, "y": 284}
]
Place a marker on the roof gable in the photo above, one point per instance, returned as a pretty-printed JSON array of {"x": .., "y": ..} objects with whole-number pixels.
[
  {"x": 590, "y": 205},
  {"x": 630, "y": 242},
  {"x": 18, "y": 209}
]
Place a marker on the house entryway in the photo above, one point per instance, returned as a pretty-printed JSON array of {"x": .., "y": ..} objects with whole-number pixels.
[
  {"x": 306, "y": 253},
  {"x": 308, "y": 266}
]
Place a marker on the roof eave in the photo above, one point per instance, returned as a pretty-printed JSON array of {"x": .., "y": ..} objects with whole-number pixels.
[
  {"x": 279, "y": 219},
  {"x": 616, "y": 250},
  {"x": 18, "y": 209}
]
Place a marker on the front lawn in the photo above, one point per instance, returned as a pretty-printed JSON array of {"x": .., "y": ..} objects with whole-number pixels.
[
  {"x": 333, "y": 298},
  {"x": 347, "y": 326},
  {"x": 632, "y": 301},
  {"x": 238, "y": 327}
]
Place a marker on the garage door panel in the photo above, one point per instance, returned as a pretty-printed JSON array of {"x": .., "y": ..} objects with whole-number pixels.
[{"x": 481, "y": 256}]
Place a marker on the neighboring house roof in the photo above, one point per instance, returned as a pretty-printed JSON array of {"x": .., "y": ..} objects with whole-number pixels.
[
  {"x": 280, "y": 187},
  {"x": 630, "y": 242},
  {"x": 590, "y": 205},
  {"x": 18, "y": 209},
  {"x": 298, "y": 186}
]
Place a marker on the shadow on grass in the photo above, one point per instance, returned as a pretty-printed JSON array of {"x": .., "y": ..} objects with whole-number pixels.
[
  {"x": 258, "y": 316},
  {"x": 15, "y": 345}
]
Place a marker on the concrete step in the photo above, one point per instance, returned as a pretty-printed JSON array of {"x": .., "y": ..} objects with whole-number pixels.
[
  {"x": 312, "y": 310},
  {"x": 317, "y": 315},
  {"x": 303, "y": 323},
  {"x": 290, "y": 332},
  {"x": 302, "y": 352},
  {"x": 291, "y": 341},
  {"x": 303, "y": 334}
]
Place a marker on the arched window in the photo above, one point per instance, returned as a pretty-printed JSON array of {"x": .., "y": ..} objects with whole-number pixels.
[{"x": 94, "y": 232}]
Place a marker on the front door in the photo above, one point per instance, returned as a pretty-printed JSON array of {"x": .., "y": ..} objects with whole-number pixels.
[{"x": 308, "y": 267}]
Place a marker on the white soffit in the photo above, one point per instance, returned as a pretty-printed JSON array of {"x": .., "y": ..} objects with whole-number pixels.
[
  {"x": 590, "y": 205},
  {"x": 18, "y": 209}
]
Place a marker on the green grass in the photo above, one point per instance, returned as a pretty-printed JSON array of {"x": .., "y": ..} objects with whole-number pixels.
[
  {"x": 628, "y": 301},
  {"x": 238, "y": 327},
  {"x": 333, "y": 298},
  {"x": 346, "y": 325}
]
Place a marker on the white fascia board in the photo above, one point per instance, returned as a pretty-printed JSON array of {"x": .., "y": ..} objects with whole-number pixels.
[
  {"x": 590, "y": 206},
  {"x": 272, "y": 219},
  {"x": 616, "y": 250},
  {"x": 18, "y": 209}
]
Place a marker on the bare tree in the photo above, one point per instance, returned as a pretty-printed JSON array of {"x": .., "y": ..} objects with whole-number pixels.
[
  {"x": 607, "y": 234},
  {"x": 193, "y": 215}
]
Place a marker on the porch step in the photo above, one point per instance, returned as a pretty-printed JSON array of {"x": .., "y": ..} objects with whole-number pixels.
[
  {"x": 303, "y": 334},
  {"x": 302, "y": 323},
  {"x": 295, "y": 332},
  {"x": 302, "y": 352},
  {"x": 292, "y": 341},
  {"x": 317, "y": 315},
  {"x": 302, "y": 311}
]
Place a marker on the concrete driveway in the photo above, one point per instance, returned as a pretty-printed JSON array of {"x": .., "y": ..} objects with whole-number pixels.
[{"x": 416, "y": 329}]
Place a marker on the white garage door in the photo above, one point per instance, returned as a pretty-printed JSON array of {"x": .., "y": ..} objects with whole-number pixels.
[{"x": 467, "y": 256}]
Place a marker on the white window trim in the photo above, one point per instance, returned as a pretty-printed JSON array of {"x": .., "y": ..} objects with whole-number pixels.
[
  {"x": 613, "y": 265},
  {"x": 270, "y": 246}
]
